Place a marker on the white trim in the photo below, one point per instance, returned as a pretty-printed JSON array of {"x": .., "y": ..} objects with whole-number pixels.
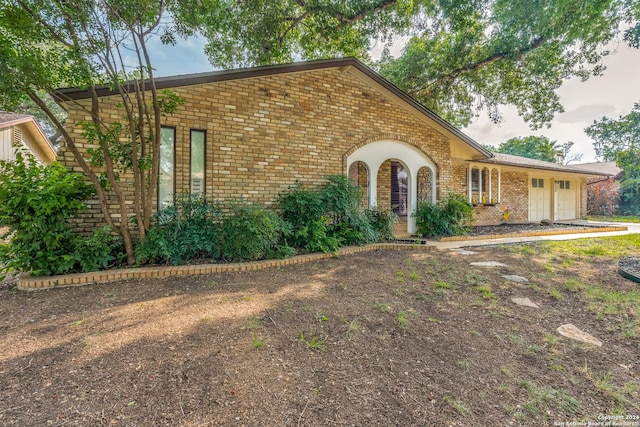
[{"x": 374, "y": 154}]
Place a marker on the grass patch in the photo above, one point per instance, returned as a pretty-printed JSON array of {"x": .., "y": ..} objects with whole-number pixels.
[
  {"x": 617, "y": 303},
  {"x": 459, "y": 406},
  {"x": 313, "y": 342},
  {"x": 629, "y": 218},
  {"x": 541, "y": 400}
]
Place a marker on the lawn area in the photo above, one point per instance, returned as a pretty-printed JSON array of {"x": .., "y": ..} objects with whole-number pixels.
[
  {"x": 615, "y": 218},
  {"x": 379, "y": 338}
]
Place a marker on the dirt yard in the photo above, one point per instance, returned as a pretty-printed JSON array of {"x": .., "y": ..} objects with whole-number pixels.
[{"x": 404, "y": 338}]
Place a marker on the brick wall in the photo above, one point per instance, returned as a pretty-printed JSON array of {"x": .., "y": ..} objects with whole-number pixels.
[
  {"x": 514, "y": 195},
  {"x": 264, "y": 133}
]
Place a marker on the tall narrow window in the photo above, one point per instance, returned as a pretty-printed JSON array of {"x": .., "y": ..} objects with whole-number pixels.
[
  {"x": 399, "y": 185},
  {"x": 198, "y": 143},
  {"x": 166, "y": 180}
]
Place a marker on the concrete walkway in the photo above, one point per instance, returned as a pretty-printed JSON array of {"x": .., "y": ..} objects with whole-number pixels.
[{"x": 633, "y": 228}]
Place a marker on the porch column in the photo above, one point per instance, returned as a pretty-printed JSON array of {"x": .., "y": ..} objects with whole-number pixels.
[
  {"x": 373, "y": 186},
  {"x": 413, "y": 201}
]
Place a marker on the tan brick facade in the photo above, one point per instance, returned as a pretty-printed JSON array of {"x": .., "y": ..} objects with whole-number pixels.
[{"x": 265, "y": 133}]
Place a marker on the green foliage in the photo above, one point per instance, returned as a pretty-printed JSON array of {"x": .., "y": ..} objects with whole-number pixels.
[
  {"x": 35, "y": 203},
  {"x": 473, "y": 56},
  {"x": 187, "y": 230},
  {"x": 99, "y": 251},
  {"x": 629, "y": 162},
  {"x": 611, "y": 136},
  {"x": 251, "y": 232},
  {"x": 451, "y": 217},
  {"x": 303, "y": 210},
  {"x": 533, "y": 147},
  {"x": 266, "y": 32},
  {"x": 196, "y": 228},
  {"x": 323, "y": 219}
]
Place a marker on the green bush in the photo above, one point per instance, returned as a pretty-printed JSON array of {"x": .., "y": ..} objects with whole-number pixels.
[
  {"x": 99, "y": 251},
  {"x": 35, "y": 203},
  {"x": 381, "y": 221},
  {"x": 330, "y": 216},
  {"x": 251, "y": 232},
  {"x": 303, "y": 209},
  {"x": 451, "y": 217},
  {"x": 185, "y": 231}
]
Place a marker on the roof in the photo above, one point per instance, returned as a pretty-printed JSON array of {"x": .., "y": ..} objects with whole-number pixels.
[
  {"x": 245, "y": 73},
  {"x": 525, "y": 162},
  {"x": 605, "y": 168},
  {"x": 37, "y": 142}
]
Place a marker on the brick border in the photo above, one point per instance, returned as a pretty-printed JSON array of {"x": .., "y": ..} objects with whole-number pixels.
[
  {"x": 28, "y": 283},
  {"x": 532, "y": 234}
]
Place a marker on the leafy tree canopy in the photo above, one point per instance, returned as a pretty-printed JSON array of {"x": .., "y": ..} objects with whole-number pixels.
[
  {"x": 537, "y": 147},
  {"x": 611, "y": 136},
  {"x": 471, "y": 56}
]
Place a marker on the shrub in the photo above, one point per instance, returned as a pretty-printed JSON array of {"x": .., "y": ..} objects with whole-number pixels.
[
  {"x": 381, "y": 221},
  {"x": 341, "y": 201},
  {"x": 303, "y": 209},
  {"x": 35, "y": 203},
  {"x": 187, "y": 230},
  {"x": 100, "y": 250},
  {"x": 451, "y": 217},
  {"x": 251, "y": 232}
]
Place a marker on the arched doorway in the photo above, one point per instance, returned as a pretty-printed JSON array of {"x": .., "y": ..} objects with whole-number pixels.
[{"x": 392, "y": 168}]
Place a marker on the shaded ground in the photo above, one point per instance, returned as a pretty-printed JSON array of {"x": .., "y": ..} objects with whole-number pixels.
[{"x": 380, "y": 338}]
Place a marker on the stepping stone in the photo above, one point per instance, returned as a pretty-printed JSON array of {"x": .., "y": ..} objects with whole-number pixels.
[
  {"x": 571, "y": 331},
  {"x": 515, "y": 278},
  {"x": 488, "y": 264},
  {"x": 465, "y": 252},
  {"x": 525, "y": 302}
]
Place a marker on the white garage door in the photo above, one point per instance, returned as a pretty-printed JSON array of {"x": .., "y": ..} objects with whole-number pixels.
[
  {"x": 565, "y": 199},
  {"x": 539, "y": 200}
]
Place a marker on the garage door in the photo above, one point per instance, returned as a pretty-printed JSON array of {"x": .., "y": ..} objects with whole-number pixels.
[
  {"x": 565, "y": 199},
  {"x": 539, "y": 200}
]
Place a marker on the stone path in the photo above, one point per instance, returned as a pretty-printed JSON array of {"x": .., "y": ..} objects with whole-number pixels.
[
  {"x": 567, "y": 330},
  {"x": 515, "y": 278},
  {"x": 525, "y": 302},
  {"x": 571, "y": 331},
  {"x": 488, "y": 264}
]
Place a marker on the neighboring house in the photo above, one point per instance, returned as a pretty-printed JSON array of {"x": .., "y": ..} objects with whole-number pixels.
[
  {"x": 253, "y": 132},
  {"x": 22, "y": 131}
]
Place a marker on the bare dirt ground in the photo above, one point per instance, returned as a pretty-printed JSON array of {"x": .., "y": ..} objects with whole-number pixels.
[{"x": 405, "y": 338}]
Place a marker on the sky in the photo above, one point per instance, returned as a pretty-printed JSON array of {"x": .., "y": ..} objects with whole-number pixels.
[{"x": 611, "y": 95}]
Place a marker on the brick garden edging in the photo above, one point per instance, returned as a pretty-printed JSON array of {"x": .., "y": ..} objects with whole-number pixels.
[
  {"x": 531, "y": 234},
  {"x": 28, "y": 283}
]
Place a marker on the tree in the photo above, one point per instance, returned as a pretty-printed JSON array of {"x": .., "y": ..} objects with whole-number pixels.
[
  {"x": 538, "y": 147},
  {"x": 256, "y": 32},
  {"x": 629, "y": 161},
  {"x": 611, "y": 136},
  {"x": 474, "y": 56},
  {"x": 45, "y": 45}
]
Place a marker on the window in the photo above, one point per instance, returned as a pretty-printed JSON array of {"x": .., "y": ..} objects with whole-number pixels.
[
  {"x": 537, "y": 182},
  {"x": 399, "y": 181},
  {"x": 198, "y": 150},
  {"x": 564, "y": 185},
  {"x": 166, "y": 179}
]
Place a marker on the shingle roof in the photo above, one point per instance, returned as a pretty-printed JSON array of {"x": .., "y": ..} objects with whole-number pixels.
[
  {"x": 10, "y": 119},
  {"x": 605, "y": 168},
  {"x": 511, "y": 160}
]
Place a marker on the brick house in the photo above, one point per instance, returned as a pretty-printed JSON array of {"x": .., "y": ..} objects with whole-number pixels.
[{"x": 253, "y": 132}]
